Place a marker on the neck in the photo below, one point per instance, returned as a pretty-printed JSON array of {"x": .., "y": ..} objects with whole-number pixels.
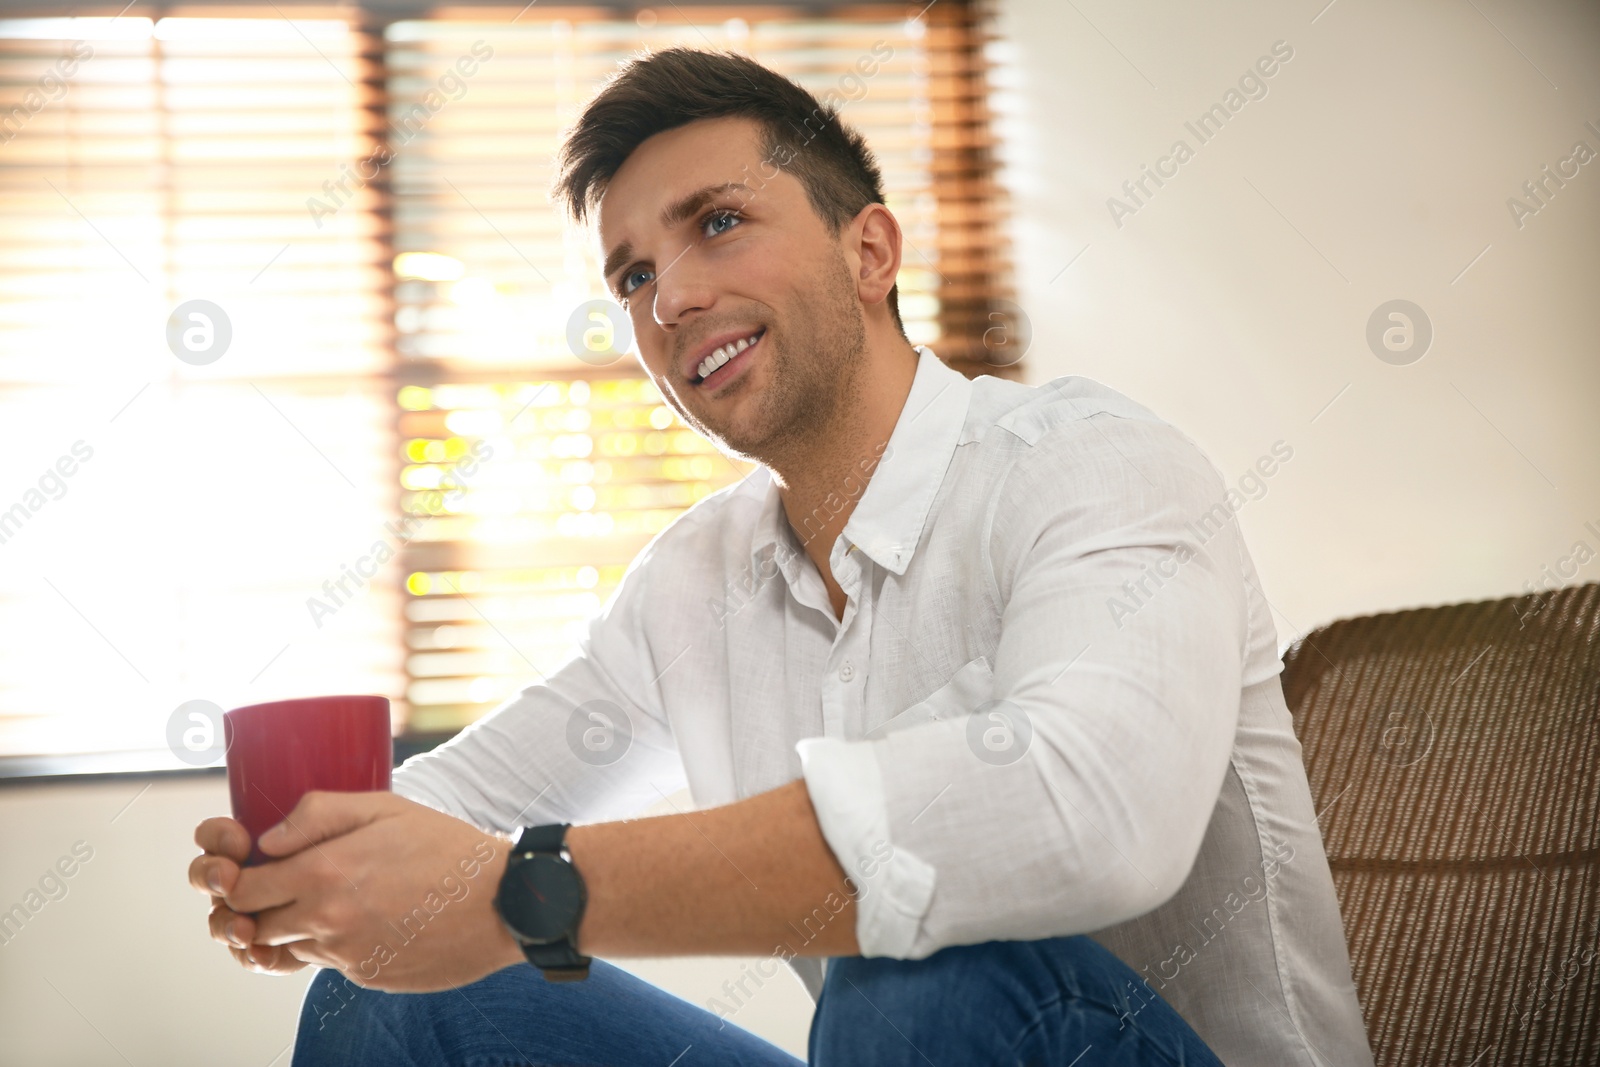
[{"x": 821, "y": 486}]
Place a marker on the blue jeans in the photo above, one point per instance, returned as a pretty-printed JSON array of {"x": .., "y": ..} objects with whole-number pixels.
[{"x": 1062, "y": 1002}]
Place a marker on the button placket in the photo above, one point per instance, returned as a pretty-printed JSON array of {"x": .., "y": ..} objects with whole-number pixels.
[
  {"x": 849, "y": 657},
  {"x": 835, "y": 695}
]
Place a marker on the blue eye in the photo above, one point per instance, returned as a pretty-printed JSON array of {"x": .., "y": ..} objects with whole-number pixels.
[
  {"x": 731, "y": 216},
  {"x": 722, "y": 215}
]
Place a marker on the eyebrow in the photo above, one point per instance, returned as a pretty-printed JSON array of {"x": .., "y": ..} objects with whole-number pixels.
[{"x": 671, "y": 216}]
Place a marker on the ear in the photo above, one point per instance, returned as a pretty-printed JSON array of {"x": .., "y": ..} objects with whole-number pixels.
[{"x": 875, "y": 239}]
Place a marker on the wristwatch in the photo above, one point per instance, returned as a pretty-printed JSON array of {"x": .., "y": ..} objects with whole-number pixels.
[{"x": 541, "y": 901}]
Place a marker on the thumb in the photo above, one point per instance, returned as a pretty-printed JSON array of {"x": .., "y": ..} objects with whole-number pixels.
[{"x": 320, "y": 816}]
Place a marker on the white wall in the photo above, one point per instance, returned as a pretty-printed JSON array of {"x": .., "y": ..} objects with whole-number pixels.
[
  {"x": 121, "y": 966},
  {"x": 121, "y": 969},
  {"x": 1233, "y": 304}
]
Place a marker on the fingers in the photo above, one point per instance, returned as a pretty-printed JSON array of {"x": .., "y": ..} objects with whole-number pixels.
[
  {"x": 304, "y": 952},
  {"x": 215, "y": 875},
  {"x": 238, "y": 933},
  {"x": 231, "y": 928},
  {"x": 222, "y": 836},
  {"x": 324, "y": 918},
  {"x": 322, "y": 815},
  {"x": 266, "y": 959},
  {"x": 226, "y": 845},
  {"x": 280, "y": 882},
  {"x": 287, "y": 925}
]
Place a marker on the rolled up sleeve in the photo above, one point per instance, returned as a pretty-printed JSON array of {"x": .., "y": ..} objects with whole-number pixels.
[
  {"x": 1077, "y": 794},
  {"x": 892, "y": 889}
]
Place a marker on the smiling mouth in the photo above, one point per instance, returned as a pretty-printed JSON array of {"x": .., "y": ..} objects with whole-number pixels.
[{"x": 720, "y": 372}]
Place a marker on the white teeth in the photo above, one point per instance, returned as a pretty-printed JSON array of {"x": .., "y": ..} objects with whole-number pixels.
[{"x": 723, "y": 354}]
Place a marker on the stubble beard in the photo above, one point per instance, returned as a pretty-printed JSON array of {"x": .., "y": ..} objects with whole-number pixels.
[{"x": 811, "y": 389}]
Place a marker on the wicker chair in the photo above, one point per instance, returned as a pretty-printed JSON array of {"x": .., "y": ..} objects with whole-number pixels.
[{"x": 1454, "y": 753}]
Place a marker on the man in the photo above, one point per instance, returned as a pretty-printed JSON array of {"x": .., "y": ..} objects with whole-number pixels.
[{"x": 964, "y": 672}]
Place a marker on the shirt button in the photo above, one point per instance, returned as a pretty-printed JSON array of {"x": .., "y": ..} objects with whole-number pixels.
[{"x": 846, "y": 673}]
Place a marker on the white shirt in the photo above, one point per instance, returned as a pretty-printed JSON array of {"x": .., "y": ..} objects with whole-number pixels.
[{"x": 1051, "y": 707}]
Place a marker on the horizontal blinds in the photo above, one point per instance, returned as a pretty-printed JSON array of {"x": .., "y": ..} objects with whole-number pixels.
[
  {"x": 146, "y": 163},
  {"x": 589, "y": 463},
  {"x": 983, "y": 331},
  {"x": 470, "y": 179},
  {"x": 398, "y": 478}
]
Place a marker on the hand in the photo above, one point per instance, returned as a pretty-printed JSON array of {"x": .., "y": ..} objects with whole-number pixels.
[
  {"x": 225, "y": 844},
  {"x": 392, "y": 894}
]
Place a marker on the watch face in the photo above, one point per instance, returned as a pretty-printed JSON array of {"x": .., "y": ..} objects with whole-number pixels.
[{"x": 542, "y": 898}]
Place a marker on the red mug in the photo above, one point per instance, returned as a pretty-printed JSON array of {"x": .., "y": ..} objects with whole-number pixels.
[{"x": 279, "y": 752}]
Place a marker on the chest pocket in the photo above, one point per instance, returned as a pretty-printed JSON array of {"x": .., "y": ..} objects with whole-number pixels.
[{"x": 962, "y": 695}]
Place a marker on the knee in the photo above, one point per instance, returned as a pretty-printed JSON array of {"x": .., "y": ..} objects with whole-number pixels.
[
  {"x": 970, "y": 1001},
  {"x": 1006, "y": 970},
  {"x": 958, "y": 1000},
  {"x": 333, "y": 1015},
  {"x": 327, "y": 998}
]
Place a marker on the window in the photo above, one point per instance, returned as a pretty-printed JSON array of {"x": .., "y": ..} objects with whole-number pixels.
[{"x": 396, "y": 477}]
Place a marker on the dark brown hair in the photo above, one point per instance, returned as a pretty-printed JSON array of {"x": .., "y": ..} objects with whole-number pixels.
[{"x": 660, "y": 91}]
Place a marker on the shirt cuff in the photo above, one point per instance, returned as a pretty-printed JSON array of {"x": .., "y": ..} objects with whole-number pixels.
[{"x": 894, "y": 885}]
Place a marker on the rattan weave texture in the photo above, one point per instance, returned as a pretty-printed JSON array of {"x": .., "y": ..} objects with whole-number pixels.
[{"x": 1454, "y": 756}]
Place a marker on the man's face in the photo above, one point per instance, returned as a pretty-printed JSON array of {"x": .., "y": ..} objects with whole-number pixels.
[{"x": 700, "y": 266}]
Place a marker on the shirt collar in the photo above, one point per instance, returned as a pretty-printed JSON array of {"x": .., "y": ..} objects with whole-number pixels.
[{"x": 887, "y": 522}]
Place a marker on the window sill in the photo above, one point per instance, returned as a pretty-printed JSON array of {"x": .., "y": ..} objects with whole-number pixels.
[{"x": 100, "y": 766}]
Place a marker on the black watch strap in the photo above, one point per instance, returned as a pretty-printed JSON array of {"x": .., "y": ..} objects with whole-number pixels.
[
  {"x": 559, "y": 962},
  {"x": 547, "y": 838}
]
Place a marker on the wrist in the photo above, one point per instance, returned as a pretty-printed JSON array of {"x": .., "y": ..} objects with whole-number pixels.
[
  {"x": 541, "y": 901},
  {"x": 580, "y": 846},
  {"x": 503, "y": 947}
]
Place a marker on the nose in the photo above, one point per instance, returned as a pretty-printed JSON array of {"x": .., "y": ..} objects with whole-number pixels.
[{"x": 681, "y": 287}]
